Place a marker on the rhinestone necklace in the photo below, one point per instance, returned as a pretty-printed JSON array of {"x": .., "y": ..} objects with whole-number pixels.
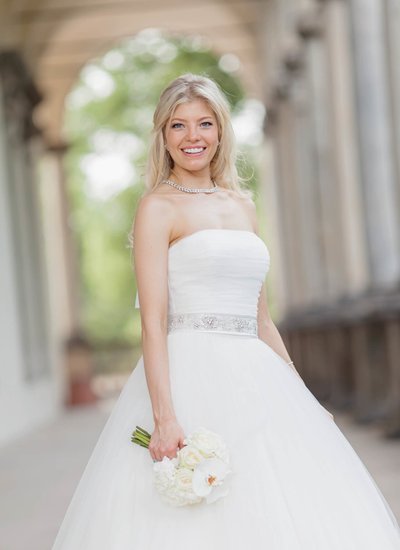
[{"x": 191, "y": 189}]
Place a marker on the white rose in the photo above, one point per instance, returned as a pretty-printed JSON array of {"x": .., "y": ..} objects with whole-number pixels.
[{"x": 189, "y": 456}]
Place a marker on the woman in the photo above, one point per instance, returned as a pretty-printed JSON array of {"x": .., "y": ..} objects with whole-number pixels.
[{"x": 213, "y": 357}]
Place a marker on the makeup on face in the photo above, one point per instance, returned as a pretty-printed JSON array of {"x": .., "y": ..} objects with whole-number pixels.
[{"x": 192, "y": 134}]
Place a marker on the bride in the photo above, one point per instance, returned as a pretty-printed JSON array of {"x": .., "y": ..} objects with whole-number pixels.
[{"x": 213, "y": 357}]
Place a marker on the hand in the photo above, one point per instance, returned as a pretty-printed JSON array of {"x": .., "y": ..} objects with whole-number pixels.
[{"x": 166, "y": 439}]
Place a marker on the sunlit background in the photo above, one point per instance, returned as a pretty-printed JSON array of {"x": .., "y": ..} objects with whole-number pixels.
[{"x": 108, "y": 121}]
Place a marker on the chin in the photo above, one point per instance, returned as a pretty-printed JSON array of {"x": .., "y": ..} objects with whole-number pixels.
[{"x": 193, "y": 166}]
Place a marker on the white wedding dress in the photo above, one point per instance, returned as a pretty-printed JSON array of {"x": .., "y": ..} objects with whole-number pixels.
[{"x": 297, "y": 482}]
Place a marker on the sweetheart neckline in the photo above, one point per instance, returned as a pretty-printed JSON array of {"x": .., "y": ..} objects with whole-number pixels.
[{"x": 213, "y": 229}]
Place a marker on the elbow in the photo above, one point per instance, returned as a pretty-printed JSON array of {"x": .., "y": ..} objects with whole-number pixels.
[
  {"x": 154, "y": 327},
  {"x": 265, "y": 323}
]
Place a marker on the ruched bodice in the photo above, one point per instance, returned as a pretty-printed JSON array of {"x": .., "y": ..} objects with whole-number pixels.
[{"x": 217, "y": 270}]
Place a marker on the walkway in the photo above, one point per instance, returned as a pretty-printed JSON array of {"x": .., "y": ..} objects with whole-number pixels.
[{"x": 39, "y": 473}]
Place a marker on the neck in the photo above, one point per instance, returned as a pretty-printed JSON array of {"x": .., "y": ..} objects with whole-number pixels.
[{"x": 193, "y": 180}]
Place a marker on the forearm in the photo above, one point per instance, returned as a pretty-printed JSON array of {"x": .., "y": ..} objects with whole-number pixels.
[
  {"x": 269, "y": 334},
  {"x": 155, "y": 357}
]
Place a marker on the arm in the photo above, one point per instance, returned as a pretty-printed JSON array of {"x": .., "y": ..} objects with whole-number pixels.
[
  {"x": 270, "y": 335},
  {"x": 267, "y": 331},
  {"x": 151, "y": 231}
]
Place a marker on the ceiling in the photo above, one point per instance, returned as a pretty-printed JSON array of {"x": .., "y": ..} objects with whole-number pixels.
[{"x": 59, "y": 36}]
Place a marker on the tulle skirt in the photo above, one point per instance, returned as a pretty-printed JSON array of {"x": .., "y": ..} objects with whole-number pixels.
[{"x": 297, "y": 484}]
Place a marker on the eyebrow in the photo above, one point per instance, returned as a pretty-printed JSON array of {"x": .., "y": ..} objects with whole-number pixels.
[{"x": 184, "y": 120}]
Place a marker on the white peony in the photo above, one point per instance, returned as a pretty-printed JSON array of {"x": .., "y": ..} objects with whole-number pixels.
[
  {"x": 175, "y": 488},
  {"x": 164, "y": 474},
  {"x": 184, "y": 486},
  {"x": 197, "y": 473},
  {"x": 208, "y": 443}
]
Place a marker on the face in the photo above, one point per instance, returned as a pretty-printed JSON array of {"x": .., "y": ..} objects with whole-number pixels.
[{"x": 192, "y": 136}]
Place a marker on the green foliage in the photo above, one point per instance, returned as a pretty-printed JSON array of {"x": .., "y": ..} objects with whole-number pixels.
[{"x": 109, "y": 112}]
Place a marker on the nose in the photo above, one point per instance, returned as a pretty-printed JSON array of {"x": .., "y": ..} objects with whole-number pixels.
[{"x": 192, "y": 133}]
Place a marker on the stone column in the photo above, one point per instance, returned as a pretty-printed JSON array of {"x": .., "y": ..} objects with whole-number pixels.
[
  {"x": 20, "y": 98},
  {"x": 392, "y": 19},
  {"x": 63, "y": 282},
  {"x": 286, "y": 193},
  {"x": 269, "y": 190},
  {"x": 326, "y": 190},
  {"x": 12, "y": 353},
  {"x": 60, "y": 252},
  {"x": 392, "y": 33},
  {"x": 313, "y": 282},
  {"x": 28, "y": 397},
  {"x": 376, "y": 141},
  {"x": 345, "y": 154}
]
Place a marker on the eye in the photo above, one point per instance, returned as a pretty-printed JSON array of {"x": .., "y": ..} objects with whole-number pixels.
[
  {"x": 207, "y": 123},
  {"x": 177, "y": 125}
]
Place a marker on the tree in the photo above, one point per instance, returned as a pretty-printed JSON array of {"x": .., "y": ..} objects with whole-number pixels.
[{"x": 108, "y": 120}]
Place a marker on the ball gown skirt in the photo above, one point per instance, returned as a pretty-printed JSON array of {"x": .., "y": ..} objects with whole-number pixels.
[{"x": 297, "y": 483}]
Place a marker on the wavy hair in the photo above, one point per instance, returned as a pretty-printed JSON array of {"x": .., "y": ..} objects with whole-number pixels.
[{"x": 186, "y": 88}]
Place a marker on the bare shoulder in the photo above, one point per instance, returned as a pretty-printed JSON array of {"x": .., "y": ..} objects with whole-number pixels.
[
  {"x": 155, "y": 211},
  {"x": 154, "y": 203},
  {"x": 246, "y": 202},
  {"x": 242, "y": 198}
]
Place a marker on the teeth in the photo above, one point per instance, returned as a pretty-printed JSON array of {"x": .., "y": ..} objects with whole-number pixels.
[{"x": 194, "y": 150}]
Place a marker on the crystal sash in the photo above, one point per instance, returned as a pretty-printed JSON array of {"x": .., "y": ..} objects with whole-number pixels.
[{"x": 214, "y": 322}]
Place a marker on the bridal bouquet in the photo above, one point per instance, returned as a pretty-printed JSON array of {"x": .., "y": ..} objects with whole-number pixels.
[{"x": 198, "y": 472}]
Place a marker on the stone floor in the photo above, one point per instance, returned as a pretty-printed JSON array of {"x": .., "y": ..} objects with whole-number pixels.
[{"x": 38, "y": 474}]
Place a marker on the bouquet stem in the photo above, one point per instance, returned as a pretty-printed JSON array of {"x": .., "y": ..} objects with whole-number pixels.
[{"x": 141, "y": 437}]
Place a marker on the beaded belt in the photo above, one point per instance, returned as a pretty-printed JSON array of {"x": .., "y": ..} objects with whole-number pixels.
[{"x": 214, "y": 322}]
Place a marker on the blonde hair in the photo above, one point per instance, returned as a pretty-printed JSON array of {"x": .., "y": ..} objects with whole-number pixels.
[
  {"x": 223, "y": 171},
  {"x": 186, "y": 88}
]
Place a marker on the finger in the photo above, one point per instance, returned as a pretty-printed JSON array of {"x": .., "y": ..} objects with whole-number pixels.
[{"x": 155, "y": 455}]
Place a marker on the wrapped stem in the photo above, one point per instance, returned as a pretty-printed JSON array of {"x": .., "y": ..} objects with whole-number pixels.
[{"x": 141, "y": 437}]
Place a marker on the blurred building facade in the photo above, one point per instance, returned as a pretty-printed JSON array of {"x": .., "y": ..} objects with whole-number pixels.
[
  {"x": 327, "y": 73},
  {"x": 333, "y": 89}
]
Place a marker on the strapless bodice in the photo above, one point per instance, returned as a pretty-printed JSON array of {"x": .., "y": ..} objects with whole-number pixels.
[{"x": 217, "y": 271}]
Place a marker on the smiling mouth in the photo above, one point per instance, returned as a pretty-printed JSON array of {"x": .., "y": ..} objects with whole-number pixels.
[{"x": 194, "y": 150}]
